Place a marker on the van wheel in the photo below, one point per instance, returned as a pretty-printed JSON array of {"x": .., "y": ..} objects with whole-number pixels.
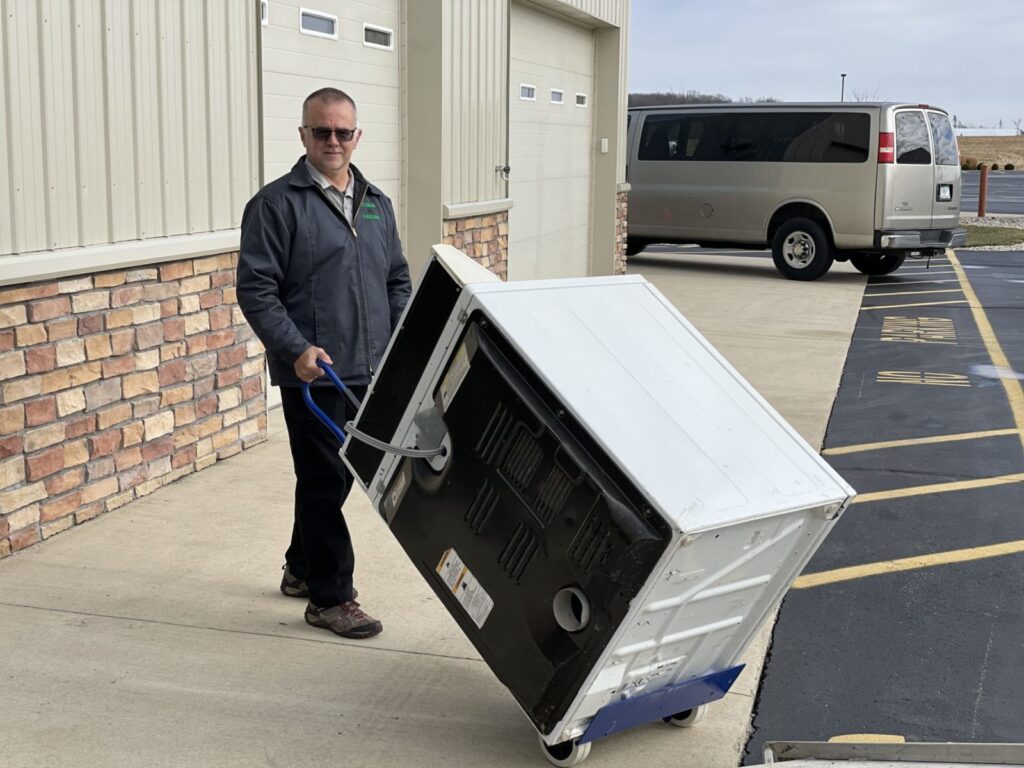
[
  {"x": 801, "y": 250},
  {"x": 634, "y": 245},
  {"x": 877, "y": 263}
]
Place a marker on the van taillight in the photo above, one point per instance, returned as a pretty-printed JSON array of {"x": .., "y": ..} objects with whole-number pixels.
[{"x": 886, "y": 147}]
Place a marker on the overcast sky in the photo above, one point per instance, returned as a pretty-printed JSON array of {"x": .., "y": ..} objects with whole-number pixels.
[{"x": 966, "y": 56}]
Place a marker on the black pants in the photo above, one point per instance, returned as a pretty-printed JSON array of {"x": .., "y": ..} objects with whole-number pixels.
[{"x": 321, "y": 548}]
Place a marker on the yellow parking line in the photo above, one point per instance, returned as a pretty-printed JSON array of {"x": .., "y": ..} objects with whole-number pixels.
[
  {"x": 940, "y": 270},
  {"x": 901, "y": 283},
  {"x": 1014, "y": 391},
  {"x": 921, "y": 490},
  {"x": 914, "y": 293},
  {"x": 908, "y": 564},
  {"x": 845, "y": 449},
  {"x": 922, "y": 304}
]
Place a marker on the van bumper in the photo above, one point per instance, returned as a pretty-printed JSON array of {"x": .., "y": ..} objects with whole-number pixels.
[{"x": 912, "y": 240}]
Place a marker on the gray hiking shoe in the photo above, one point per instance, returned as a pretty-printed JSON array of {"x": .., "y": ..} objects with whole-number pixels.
[
  {"x": 347, "y": 620},
  {"x": 293, "y": 586}
]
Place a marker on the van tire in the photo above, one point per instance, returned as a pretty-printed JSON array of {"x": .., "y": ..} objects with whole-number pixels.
[
  {"x": 877, "y": 263},
  {"x": 634, "y": 245},
  {"x": 801, "y": 250}
]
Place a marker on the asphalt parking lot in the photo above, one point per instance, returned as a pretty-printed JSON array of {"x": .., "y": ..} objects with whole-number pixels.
[{"x": 1005, "y": 192}]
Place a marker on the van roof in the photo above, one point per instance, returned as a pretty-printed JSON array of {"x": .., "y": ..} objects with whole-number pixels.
[{"x": 845, "y": 105}]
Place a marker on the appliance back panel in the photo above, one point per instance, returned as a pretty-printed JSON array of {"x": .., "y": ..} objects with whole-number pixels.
[{"x": 531, "y": 505}]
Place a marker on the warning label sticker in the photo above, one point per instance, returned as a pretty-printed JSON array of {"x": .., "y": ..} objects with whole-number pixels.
[
  {"x": 467, "y": 590},
  {"x": 453, "y": 379}
]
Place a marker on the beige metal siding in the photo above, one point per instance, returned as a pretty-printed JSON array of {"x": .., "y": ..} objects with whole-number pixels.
[
  {"x": 476, "y": 103},
  {"x": 120, "y": 120},
  {"x": 295, "y": 64}
]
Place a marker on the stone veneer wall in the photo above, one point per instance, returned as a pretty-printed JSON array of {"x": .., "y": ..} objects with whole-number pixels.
[
  {"x": 621, "y": 216},
  {"x": 117, "y": 383},
  {"x": 482, "y": 238}
]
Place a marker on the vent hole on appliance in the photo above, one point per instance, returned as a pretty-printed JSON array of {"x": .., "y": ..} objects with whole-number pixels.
[{"x": 571, "y": 609}]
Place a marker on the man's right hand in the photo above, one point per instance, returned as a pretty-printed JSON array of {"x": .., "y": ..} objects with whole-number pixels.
[{"x": 305, "y": 364}]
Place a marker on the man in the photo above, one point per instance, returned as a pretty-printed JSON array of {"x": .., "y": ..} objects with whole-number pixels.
[{"x": 321, "y": 277}]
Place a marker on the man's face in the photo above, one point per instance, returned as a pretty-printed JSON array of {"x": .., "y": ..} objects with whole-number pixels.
[{"x": 329, "y": 156}]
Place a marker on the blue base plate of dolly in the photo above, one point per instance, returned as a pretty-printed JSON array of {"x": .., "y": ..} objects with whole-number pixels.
[{"x": 659, "y": 704}]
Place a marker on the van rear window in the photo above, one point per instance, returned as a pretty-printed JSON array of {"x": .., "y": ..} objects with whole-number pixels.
[
  {"x": 944, "y": 139},
  {"x": 912, "y": 144},
  {"x": 758, "y": 137}
]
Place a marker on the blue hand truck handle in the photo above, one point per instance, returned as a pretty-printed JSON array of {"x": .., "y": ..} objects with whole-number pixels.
[{"x": 327, "y": 421}]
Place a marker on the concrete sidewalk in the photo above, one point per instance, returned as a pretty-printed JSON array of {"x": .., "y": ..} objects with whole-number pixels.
[{"x": 156, "y": 635}]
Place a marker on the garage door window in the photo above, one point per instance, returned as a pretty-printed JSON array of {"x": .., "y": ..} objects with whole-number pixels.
[
  {"x": 378, "y": 37},
  {"x": 318, "y": 24},
  {"x": 527, "y": 92},
  {"x": 557, "y": 97},
  {"x": 581, "y": 99}
]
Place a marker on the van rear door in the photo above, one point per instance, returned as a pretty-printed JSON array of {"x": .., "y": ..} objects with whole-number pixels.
[
  {"x": 913, "y": 174},
  {"x": 946, "y": 197}
]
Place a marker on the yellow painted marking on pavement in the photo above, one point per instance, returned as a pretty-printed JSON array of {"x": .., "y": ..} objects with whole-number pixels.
[
  {"x": 847, "y": 449},
  {"x": 908, "y": 564},
  {"x": 913, "y": 293},
  {"x": 923, "y": 490},
  {"x": 1014, "y": 391},
  {"x": 918, "y": 330},
  {"x": 933, "y": 271},
  {"x": 868, "y": 738},
  {"x": 901, "y": 283},
  {"x": 922, "y": 304},
  {"x": 925, "y": 378}
]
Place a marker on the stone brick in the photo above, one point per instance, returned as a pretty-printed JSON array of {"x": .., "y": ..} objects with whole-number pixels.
[
  {"x": 197, "y": 322},
  {"x": 219, "y": 339},
  {"x": 65, "y": 481},
  {"x": 230, "y": 295},
  {"x": 41, "y": 411},
  {"x": 109, "y": 279},
  {"x": 248, "y": 428},
  {"x": 225, "y": 437},
  {"x": 209, "y": 299},
  {"x": 102, "y": 393},
  {"x": 159, "y": 425},
  {"x": 85, "y": 373},
  {"x": 147, "y": 336},
  {"x": 57, "y": 526},
  {"x": 74, "y": 285},
  {"x": 168, "y": 308},
  {"x": 41, "y": 359},
  {"x": 159, "y": 467},
  {"x": 48, "y": 309},
  {"x": 80, "y": 426},
  {"x": 76, "y": 453},
  {"x": 115, "y": 414},
  {"x": 237, "y": 316},
  {"x": 44, "y": 463},
  {"x": 202, "y": 266},
  {"x": 220, "y": 317},
  {"x": 220, "y": 279},
  {"x": 206, "y": 406},
  {"x": 174, "y": 328},
  {"x": 228, "y": 451},
  {"x": 105, "y": 443},
  {"x": 146, "y": 488},
  {"x": 20, "y": 389},
  {"x": 27, "y": 335},
  {"x": 43, "y": 437},
  {"x": 132, "y": 477},
  {"x": 126, "y": 295},
  {"x": 184, "y": 414},
  {"x": 154, "y": 450},
  {"x": 12, "y": 364},
  {"x": 133, "y": 433},
  {"x": 200, "y": 367},
  {"x": 148, "y": 360},
  {"x": 12, "y": 316},
  {"x": 12, "y": 419},
  {"x": 119, "y": 500},
  {"x": 98, "y": 490},
  {"x": 97, "y": 346},
  {"x": 206, "y": 461},
  {"x": 90, "y": 302},
  {"x": 17, "y": 498},
  {"x": 70, "y": 401},
  {"x": 88, "y": 324},
  {"x": 141, "y": 383},
  {"x": 121, "y": 342},
  {"x": 146, "y": 406},
  {"x": 118, "y": 366},
  {"x": 129, "y": 457},
  {"x": 100, "y": 468},
  {"x": 70, "y": 352},
  {"x": 140, "y": 275},
  {"x": 88, "y": 512},
  {"x": 24, "y": 539},
  {"x": 195, "y": 285},
  {"x": 234, "y": 416},
  {"x": 229, "y": 398},
  {"x": 5, "y": 547},
  {"x": 171, "y": 373},
  {"x": 118, "y": 318},
  {"x": 183, "y": 457},
  {"x": 172, "y": 351},
  {"x": 62, "y": 329},
  {"x": 175, "y": 395},
  {"x": 27, "y": 292},
  {"x": 208, "y": 427},
  {"x": 160, "y": 291},
  {"x": 145, "y": 313},
  {"x": 229, "y": 377},
  {"x": 11, "y": 446},
  {"x": 256, "y": 407},
  {"x": 204, "y": 447},
  {"x": 12, "y": 471},
  {"x": 229, "y": 357},
  {"x": 196, "y": 344},
  {"x": 175, "y": 271},
  {"x": 203, "y": 386}
]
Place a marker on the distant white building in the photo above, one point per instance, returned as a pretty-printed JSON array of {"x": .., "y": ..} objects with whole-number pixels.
[{"x": 986, "y": 132}]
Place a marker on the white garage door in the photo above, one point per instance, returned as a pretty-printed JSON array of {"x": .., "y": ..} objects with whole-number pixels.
[
  {"x": 550, "y": 145},
  {"x": 346, "y": 45}
]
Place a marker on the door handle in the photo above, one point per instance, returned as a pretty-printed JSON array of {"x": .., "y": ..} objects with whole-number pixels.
[{"x": 503, "y": 170}]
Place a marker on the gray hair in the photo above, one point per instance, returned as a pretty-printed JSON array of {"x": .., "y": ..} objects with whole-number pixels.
[{"x": 328, "y": 96}]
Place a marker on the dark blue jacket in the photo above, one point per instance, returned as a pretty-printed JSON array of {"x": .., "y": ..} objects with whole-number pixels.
[{"x": 307, "y": 278}]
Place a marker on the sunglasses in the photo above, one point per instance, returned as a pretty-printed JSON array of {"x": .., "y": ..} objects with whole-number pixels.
[{"x": 324, "y": 134}]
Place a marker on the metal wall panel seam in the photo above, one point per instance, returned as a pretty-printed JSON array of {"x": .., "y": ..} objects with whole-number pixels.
[
  {"x": 8, "y": 234},
  {"x": 134, "y": 67},
  {"x": 76, "y": 133},
  {"x": 185, "y": 119},
  {"x": 46, "y": 126}
]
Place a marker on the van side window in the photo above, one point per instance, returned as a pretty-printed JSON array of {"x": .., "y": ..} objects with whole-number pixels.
[
  {"x": 944, "y": 139},
  {"x": 912, "y": 145},
  {"x": 659, "y": 139}
]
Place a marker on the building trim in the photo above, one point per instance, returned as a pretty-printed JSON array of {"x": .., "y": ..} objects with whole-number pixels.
[
  {"x": 464, "y": 210},
  {"x": 47, "y": 265},
  {"x": 623, "y": 186}
]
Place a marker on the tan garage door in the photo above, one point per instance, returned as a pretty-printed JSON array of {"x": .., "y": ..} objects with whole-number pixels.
[{"x": 550, "y": 145}]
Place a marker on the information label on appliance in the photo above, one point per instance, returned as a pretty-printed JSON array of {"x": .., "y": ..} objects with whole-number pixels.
[
  {"x": 467, "y": 590},
  {"x": 453, "y": 379}
]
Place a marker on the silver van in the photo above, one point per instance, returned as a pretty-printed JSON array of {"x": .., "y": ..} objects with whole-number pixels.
[{"x": 871, "y": 183}]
